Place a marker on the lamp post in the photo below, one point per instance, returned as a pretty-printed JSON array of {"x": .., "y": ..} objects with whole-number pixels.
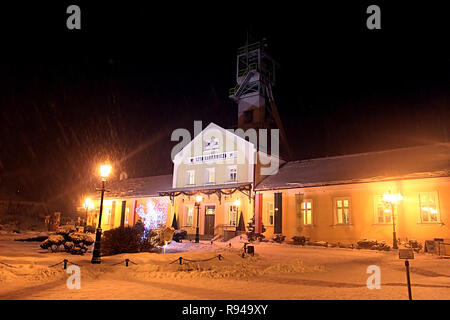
[
  {"x": 393, "y": 199},
  {"x": 198, "y": 200},
  {"x": 104, "y": 173}
]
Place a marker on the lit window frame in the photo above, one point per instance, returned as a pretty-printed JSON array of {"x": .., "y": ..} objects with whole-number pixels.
[
  {"x": 340, "y": 222},
  {"x": 229, "y": 172},
  {"x": 189, "y": 209},
  {"x": 231, "y": 212},
  {"x": 380, "y": 204},
  {"x": 305, "y": 210},
  {"x": 426, "y": 204},
  {"x": 208, "y": 179},
  {"x": 270, "y": 212},
  {"x": 190, "y": 177}
]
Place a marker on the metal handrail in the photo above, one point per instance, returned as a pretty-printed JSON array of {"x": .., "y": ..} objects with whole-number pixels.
[
  {"x": 251, "y": 66},
  {"x": 249, "y": 47}
]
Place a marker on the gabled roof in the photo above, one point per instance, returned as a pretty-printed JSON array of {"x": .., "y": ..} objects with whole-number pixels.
[
  {"x": 138, "y": 187},
  {"x": 405, "y": 163},
  {"x": 210, "y": 126}
]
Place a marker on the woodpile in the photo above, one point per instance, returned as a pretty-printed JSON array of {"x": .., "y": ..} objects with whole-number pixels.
[
  {"x": 160, "y": 236},
  {"x": 179, "y": 235},
  {"x": 373, "y": 245},
  {"x": 278, "y": 238},
  {"x": 299, "y": 240}
]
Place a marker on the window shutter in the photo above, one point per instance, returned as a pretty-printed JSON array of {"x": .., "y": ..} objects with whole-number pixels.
[
  {"x": 278, "y": 223},
  {"x": 298, "y": 209}
]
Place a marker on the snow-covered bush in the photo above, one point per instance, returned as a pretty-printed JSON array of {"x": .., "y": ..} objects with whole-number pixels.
[
  {"x": 73, "y": 242},
  {"x": 134, "y": 239},
  {"x": 122, "y": 240}
]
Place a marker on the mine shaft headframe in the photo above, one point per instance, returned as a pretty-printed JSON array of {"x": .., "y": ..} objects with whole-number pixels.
[
  {"x": 254, "y": 57},
  {"x": 255, "y": 70}
]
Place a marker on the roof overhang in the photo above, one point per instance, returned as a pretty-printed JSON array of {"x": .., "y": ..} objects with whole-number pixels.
[{"x": 218, "y": 189}]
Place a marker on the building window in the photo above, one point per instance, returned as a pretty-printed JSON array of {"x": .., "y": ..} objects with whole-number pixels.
[
  {"x": 270, "y": 213},
  {"x": 248, "y": 116},
  {"x": 383, "y": 211},
  {"x": 190, "y": 177},
  {"x": 210, "y": 175},
  {"x": 429, "y": 207},
  {"x": 231, "y": 173},
  {"x": 342, "y": 207},
  {"x": 189, "y": 216},
  {"x": 307, "y": 211},
  {"x": 107, "y": 212},
  {"x": 232, "y": 215},
  {"x": 210, "y": 210},
  {"x": 108, "y": 216}
]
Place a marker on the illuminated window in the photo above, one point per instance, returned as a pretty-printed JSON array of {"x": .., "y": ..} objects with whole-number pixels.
[
  {"x": 383, "y": 212},
  {"x": 210, "y": 210},
  {"x": 307, "y": 211},
  {"x": 232, "y": 173},
  {"x": 270, "y": 213},
  {"x": 189, "y": 212},
  {"x": 190, "y": 177},
  {"x": 232, "y": 215},
  {"x": 429, "y": 207},
  {"x": 342, "y": 207},
  {"x": 108, "y": 216},
  {"x": 107, "y": 211},
  {"x": 127, "y": 215},
  {"x": 210, "y": 175}
]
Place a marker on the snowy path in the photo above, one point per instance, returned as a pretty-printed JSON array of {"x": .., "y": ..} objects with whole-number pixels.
[{"x": 276, "y": 272}]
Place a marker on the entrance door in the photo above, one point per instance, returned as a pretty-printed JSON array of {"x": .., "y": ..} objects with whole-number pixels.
[{"x": 210, "y": 219}]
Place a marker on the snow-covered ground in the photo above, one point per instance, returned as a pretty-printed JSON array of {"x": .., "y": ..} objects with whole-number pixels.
[{"x": 277, "y": 271}]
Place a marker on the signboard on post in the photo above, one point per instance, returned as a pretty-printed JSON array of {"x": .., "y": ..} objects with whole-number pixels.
[{"x": 405, "y": 254}]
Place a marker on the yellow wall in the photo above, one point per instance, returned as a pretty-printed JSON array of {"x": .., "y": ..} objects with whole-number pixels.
[
  {"x": 108, "y": 223},
  {"x": 363, "y": 223},
  {"x": 227, "y": 143},
  {"x": 221, "y": 212}
]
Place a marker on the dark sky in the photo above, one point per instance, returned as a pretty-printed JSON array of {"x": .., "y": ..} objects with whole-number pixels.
[{"x": 118, "y": 87}]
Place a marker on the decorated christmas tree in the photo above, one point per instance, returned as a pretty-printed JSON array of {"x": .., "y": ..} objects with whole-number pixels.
[
  {"x": 174, "y": 222},
  {"x": 241, "y": 225},
  {"x": 251, "y": 233}
]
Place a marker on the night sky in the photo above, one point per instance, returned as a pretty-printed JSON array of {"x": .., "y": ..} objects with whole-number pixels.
[{"x": 117, "y": 88}]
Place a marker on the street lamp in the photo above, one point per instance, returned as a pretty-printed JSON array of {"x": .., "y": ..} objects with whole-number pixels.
[
  {"x": 87, "y": 206},
  {"x": 198, "y": 200},
  {"x": 393, "y": 199},
  {"x": 105, "y": 170}
]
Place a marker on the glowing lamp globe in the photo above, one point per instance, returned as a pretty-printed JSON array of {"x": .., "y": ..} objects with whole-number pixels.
[
  {"x": 198, "y": 199},
  {"x": 237, "y": 203},
  {"x": 392, "y": 198},
  {"x": 105, "y": 170}
]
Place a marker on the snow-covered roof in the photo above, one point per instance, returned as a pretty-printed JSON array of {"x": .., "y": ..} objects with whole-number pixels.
[
  {"x": 405, "y": 163},
  {"x": 139, "y": 187}
]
